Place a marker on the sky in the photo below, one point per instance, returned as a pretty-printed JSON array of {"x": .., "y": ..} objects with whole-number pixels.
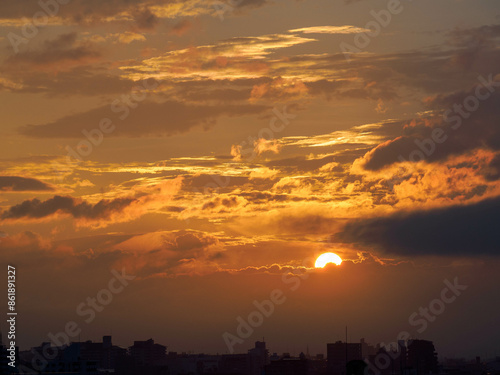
[{"x": 211, "y": 150}]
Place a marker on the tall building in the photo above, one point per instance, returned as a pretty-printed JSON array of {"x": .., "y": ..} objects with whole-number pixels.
[
  {"x": 388, "y": 361},
  {"x": 251, "y": 363},
  {"x": 367, "y": 349},
  {"x": 146, "y": 353},
  {"x": 258, "y": 357},
  {"x": 339, "y": 354},
  {"x": 422, "y": 357}
]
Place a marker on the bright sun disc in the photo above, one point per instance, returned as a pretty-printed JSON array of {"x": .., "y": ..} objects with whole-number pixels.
[{"x": 326, "y": 258}]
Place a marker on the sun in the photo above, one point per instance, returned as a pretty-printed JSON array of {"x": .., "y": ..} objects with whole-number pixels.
[{"x": 326, "y": 258}]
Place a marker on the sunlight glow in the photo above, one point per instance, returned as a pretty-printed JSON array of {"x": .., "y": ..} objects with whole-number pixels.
[{"x": 326, "y": 258}]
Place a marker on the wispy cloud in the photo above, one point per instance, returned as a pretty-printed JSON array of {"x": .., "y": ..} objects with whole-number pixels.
[{"x": 346, "y": 29}]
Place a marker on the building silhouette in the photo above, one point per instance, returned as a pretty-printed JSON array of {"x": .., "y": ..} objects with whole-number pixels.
[
  {"x": 258, "y": 357},
  {"x": 147, "y": 352},
  {"x": 417, "y": 357},
  {"x": 287, "y": 366},
  {"x": 422, "y": 357},
  {"x": 233, "y": 364},
  {"x": 339, "y": 354}
]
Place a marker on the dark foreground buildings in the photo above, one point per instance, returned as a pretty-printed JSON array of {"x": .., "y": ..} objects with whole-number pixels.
[
  {"x": 142, "y": 358},
  {"x": 415, "y": 357}
]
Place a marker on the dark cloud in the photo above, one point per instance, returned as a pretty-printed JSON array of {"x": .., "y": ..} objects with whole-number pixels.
[
  {"x": 96, "y": 79},
  {"x": 63, "y": 49},
  {"x": 250, "y": 3},
  {"x": 457, "y": 129},
  {"x": 466, "y": 54},
  {"x": 476, "y": 46},
  {"x": 147, "y": 119},
  {"x": 470, "y": 230},
  {"x": 222, "y": 204},
  {"x": 76, "y": 81},
  {"x": 15, "y": 183},
  {"x": 76, "y": 9},
  {"x": 101, "y": 213},
  {"x": 144, "y": 19},
  {"x": 387, "y": 76},
  {"x": 37, "y": 209},
  {"x": 492, "y": 172},
  {"x": 191, "y": 241},
  {"x": 96, "y": 11}
]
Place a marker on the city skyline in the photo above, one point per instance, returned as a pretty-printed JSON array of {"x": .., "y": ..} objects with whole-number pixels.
[{"x": 410, "y": 357}]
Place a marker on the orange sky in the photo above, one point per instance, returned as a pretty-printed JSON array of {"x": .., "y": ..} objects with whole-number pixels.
[{"x": 209, "y": 151}]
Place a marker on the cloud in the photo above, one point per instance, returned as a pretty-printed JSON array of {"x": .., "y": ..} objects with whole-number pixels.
[
  {"x": 237, "y": 58},
  {"x": 239, "y": 68},
  {"x": 147, "y": 119},
  {"x": 135, "y": 14},
  {"x": 346, "y": 29},
  {"x": 468, "y": 230},
  {"x": 223, "y": 90},
  {"x": 128, "y": 37},
  {"x": 143, "y": 15},
  {"x": 36, "y": 209},
  {"x": 263, "y": 172},
  {"x": 181, "y": 27},
  {"x": 144, "y": 18},
  {"x": 475, "y": 46},
  {"x": 74, "y": 62},
  {"x": 15, "y": 183},
  {"x": 236, "y": 152},
  {"x": 299, "y": 164},
  {"x": 166, "y": 253},
  {"x": 492, "y": 172},
  {"x": 99, "y": 214},
  {"x": 58, "y": 54},
  {"x": 80, "y": 80},
  {"x": 279, "y": 89},
  {"x": 262, "y": 145},
  {"x": 460, "y": 129}
]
